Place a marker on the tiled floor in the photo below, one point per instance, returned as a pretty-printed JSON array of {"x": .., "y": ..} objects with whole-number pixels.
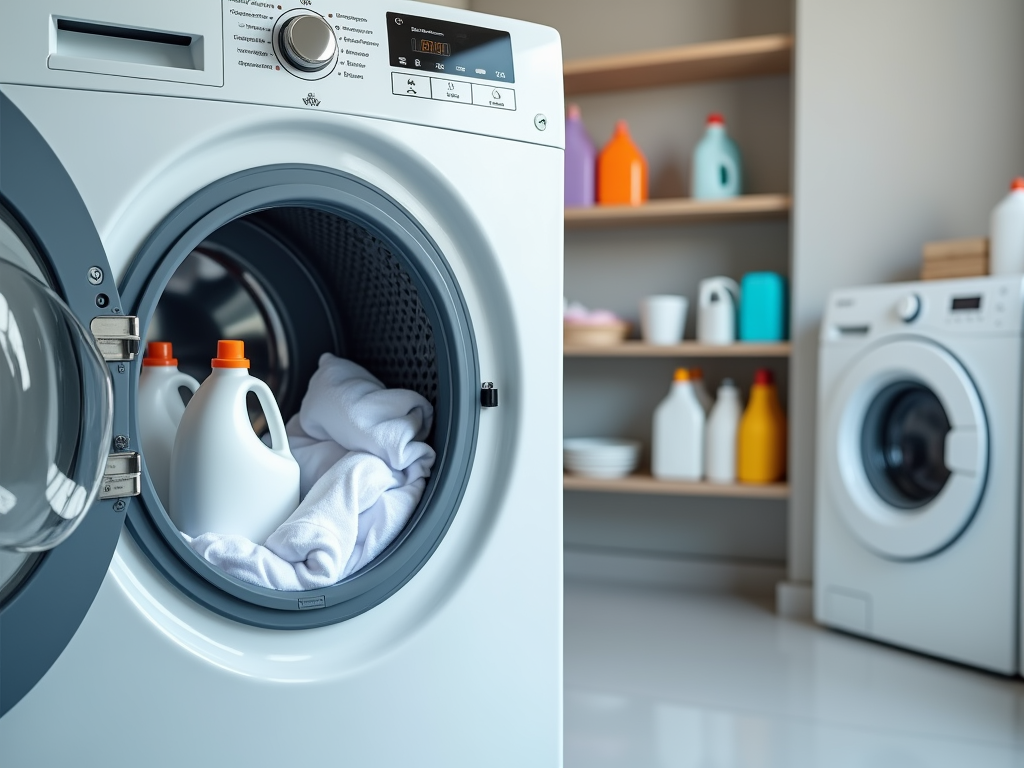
[{"x": 690, "y": 680}]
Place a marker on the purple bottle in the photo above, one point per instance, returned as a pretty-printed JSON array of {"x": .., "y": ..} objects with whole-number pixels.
[{"x": 580, "y": 162}]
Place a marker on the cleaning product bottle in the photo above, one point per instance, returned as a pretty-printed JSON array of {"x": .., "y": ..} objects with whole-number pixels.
[
  {"x": 1006, "y": 233},
  {"x": 716, "y": 171},
  {"x": 160, "y": 408},
  {"x": 761, "y": 444},
  {"x": 700, "y": 390},
  {"x": 580, "y": 161},
  {"x": 621, "y": 170},
  {"x": 723, "y": 428},
  {"x": 223, "y": 478},
  {"x": 677, "y": 450}
]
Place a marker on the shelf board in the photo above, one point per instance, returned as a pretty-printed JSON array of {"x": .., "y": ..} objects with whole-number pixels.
[
  {"x": 686, "y": 349},
  {"x": 683, "y": 210},
  {"x": 646, "y": 484},
  {"x": 723, "y": 59}
]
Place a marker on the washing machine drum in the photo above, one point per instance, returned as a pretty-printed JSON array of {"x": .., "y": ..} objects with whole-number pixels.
[{"x": 906, "y": 444}]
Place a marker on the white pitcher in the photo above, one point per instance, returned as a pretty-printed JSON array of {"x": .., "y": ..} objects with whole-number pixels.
[
  {"x": 717, "y": 305},
  {"x": 223, "y": 478}
]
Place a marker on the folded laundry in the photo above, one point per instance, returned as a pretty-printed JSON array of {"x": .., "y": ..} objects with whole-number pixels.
[{"x": 364, "y": 467}]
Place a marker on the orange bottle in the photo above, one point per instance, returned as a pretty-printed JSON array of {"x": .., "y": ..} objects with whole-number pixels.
[
  {"x": 621, "y": 170},
  {"x": 761, "y": 442}
]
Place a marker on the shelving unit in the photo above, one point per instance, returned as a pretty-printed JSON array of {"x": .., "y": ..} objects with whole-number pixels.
[
  {"x": 678, "y": 211},
  {"x": 647, "y": 484},
  {"x": 686, "y": 349},
  {"x": 724, "y": 59}
]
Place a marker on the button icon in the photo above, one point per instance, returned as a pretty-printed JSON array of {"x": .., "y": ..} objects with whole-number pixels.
[
  {"x": 403, "y": 84},
  {"x": 398, "y": 21},
  {"x": 496, "y": 98},
  {"x": 496, "y": 93},
  {"x": 416, "y": 62},
  {"x": 481, "y": 71},
  {"x": 402, "y": 60}
]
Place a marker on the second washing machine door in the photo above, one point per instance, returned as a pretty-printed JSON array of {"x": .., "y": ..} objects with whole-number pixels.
[{"x": 907, "y": 449}]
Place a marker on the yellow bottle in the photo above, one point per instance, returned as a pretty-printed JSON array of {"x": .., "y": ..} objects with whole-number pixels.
[{"x": 761, "y": 443}]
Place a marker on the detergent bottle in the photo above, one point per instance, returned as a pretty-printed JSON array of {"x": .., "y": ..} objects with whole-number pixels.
[
  {"x": 224, "y": 479},
  {"x": 677, "y": 450},
  {"x": 716, "y": 171},
  {"x": 160, "y": 408},
  {"x": 1006, "y": 233},
  {"x": 717, "y": 307},
  {"x": 761, "y": 444},
  {"x": 621, "y": 170},
  {"x": 723, "y": 428},
  {"x": 580, "y": 162}
]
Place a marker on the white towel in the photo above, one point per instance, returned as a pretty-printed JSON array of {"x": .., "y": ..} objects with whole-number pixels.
[{"x": 363, "y": 466}]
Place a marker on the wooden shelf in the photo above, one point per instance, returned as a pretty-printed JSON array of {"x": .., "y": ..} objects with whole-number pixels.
[
  {"x": 646, "y": 484},
  {"x": 686, "y": 349},
  {"x": 743, "y": 57},
  {"x": 682, "y": 210}
]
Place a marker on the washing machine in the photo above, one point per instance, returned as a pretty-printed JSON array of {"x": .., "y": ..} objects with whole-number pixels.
[
  {"x": 919, "y": 467},
  {"x": 378, "y": 181}
]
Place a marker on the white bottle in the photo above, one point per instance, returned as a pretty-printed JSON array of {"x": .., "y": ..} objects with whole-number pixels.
[
  {"x": 701, "y": 390},
  {"x": 717, "y": 303},
  {"x": 224, "y": 479},
  {"x": 160, "y": 408},
  {"x": 677, "y": 450},
  {"x": 1006, "y": 233},
  {"x": 722, "y": 432}
]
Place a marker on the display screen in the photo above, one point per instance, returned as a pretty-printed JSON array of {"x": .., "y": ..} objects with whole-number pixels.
[
  {"x": 445, "y": 47},
  {"x": 966, "y": 302}
]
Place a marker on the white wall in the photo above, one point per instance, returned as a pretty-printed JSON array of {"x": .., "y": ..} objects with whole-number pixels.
[
  {"x": 909, "y": 127},
  {"x": 615, "y": 268}
]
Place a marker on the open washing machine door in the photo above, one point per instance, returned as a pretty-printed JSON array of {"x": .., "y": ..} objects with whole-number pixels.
[
  {"x": 907, "y": 444},
  {"x": 57, "y": 410}
]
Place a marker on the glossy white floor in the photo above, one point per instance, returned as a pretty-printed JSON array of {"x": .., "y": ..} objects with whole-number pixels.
[{"x": 698, "y": 680}]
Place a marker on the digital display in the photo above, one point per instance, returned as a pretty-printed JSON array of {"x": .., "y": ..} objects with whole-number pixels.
[
  {"x": 446, "y": 47},
  {"x": 431, "y": 46},
  {"x": 966, "y": 302}
]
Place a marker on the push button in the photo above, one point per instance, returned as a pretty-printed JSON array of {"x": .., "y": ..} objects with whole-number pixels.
[
  {"x": 450, "y": 90},
  {"x": 410, "y": 85},
  {"x": 498, "y": 98}
]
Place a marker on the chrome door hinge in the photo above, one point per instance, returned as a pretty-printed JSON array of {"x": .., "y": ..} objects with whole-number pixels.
[
  {"x": 122, "y": 476},
  {"x": 117, "y": 336}
]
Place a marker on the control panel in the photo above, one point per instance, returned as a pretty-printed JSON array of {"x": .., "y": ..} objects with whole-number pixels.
[{"x": 972, "y": 306}]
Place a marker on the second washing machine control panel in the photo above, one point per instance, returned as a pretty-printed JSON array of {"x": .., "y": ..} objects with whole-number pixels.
[{"x": 970, "y": 306}]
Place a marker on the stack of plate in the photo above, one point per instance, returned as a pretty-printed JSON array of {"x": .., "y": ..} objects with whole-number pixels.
[{"x": 600, "y": 456}]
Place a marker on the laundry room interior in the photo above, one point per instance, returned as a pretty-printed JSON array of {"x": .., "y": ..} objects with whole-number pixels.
[{"x": 281, "y": 436}]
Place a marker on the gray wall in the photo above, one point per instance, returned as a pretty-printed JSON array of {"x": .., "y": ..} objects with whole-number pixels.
[
  {"x": 909, "y": 127},
  {"x": 614, "y": 269}
]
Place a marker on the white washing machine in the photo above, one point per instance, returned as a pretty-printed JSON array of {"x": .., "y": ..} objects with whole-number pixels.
[
  {"x": 919, "y": 467},
  {"x": 380, "y": 181}
]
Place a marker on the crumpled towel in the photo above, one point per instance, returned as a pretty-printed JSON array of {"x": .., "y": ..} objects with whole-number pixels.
[{"x": 363, "y": 467}]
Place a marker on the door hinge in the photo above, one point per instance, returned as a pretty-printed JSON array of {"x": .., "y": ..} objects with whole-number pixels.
[
  {"x": 122, "y": 476},
  {"x": 117, "y": 336}
]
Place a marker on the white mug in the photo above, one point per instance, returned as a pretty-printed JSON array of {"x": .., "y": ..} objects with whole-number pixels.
[{"x": 663, "y": 319}]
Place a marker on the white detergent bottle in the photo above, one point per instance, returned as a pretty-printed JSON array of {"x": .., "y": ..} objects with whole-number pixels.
[
  {"x": 700, "y": 390},
  {"x": 723, "y": 429},
  {"x": 677, "y": 450},
  {"x": 160, "y": 408},
  {"x": 1006, "y": 233},
  {"x": 224, "y": 479}
]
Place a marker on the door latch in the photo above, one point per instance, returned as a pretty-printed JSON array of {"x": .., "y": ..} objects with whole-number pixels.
[
  {"x": 117, "y": 337},
  {"x": 122, "y": 476}
]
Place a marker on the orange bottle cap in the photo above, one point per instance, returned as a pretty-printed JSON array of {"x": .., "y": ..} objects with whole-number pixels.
[
  {"x": 159, "y": 353},
  {"x": 715, "y": 118},
  {"x": 230, "y": 354},
  {"x": 682, "y": 374},
  {"x": 1017, "y": 183},
  {"x": 763, "y": 376},
  {"x": 696, "y": 373}
]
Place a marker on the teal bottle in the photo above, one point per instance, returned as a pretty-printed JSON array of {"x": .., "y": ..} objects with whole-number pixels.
[{"x": 717, "y": 171}]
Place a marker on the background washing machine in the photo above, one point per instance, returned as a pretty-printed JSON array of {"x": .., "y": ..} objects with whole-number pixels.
[
  {"x": 919, "y": 467},
  {"x": 382, "y": 182}
]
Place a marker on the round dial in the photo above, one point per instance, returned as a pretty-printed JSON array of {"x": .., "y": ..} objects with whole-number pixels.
[
  {"x": 908, "y": 307},
  {"x": 308, "y": 42}
]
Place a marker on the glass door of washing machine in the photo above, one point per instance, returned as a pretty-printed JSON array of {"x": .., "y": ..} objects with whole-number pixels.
[{"x": 58, "y": 409}]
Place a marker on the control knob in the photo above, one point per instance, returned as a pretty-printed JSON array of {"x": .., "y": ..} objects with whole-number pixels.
[
  {"x": 909, "y": 307},
  {"x": 308, "y": 42}
]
